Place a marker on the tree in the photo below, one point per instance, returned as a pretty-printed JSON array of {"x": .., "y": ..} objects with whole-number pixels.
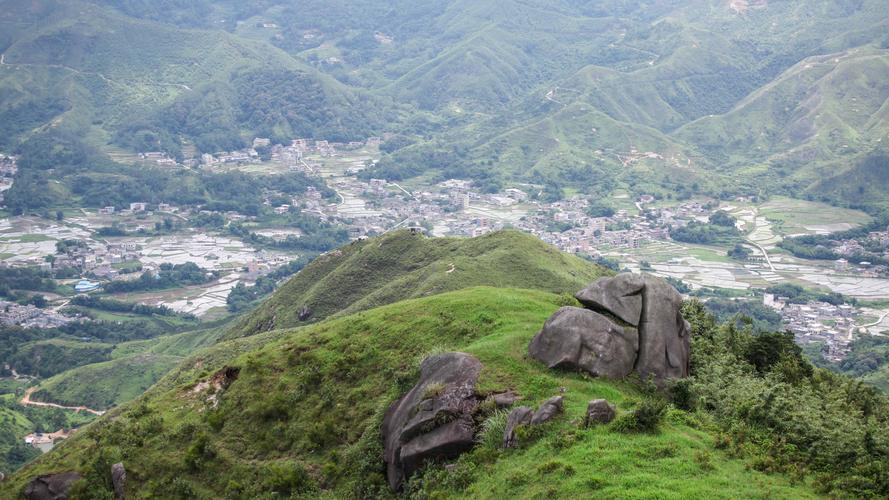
[
  {"x": 722, "y": 218},
  {"x": 739, "y": 252}
]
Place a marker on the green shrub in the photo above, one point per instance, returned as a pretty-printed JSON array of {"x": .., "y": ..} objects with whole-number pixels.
[
  {"x": 645, "y": 418},
  {"x": 704, "y": 460},
  {"x": 681, "y": 394},
  {"x": 287, "y": 478},
  {"x": 199, "y": 452}
]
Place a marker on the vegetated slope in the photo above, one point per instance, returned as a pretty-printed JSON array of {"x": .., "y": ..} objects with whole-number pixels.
[
  {"x": 150, "y": 85},
  {"x": 859, "y": 181},
  {"x": 101, "y": 385},
  {"x": 824, "y": 107},
  {"x": 737, "y": 82},
  {"x": 46, "y": 358},
  {"x": 402, "y": 265},
  {"x": 132, "y": 368},
  {"x": 303, "y": 417}
]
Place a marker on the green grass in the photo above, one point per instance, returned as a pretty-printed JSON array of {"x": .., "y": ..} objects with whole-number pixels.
[
  {"x": 312, "y": 397},
  {"x": 402, "y": 265},
  {"x": 794, "y": 216},
  {"x": 102, "y": 385},
  {"x": 132, "y": 264},
  {"x": 709, "y": 254}
]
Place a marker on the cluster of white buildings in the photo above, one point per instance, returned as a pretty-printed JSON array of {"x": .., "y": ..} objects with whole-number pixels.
[
  {"x": 833, "y": 326},
  {"x": 13, "y": 314}
]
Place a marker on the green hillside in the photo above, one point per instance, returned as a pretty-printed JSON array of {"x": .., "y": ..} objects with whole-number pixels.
[
  {"x": 402, "y": 265},
  {"x": 102, "y": 385},
  {"x": 145, "y": 85},
  {"x": 124, "y": 373},
  {"x": 302, "y": 416},
  {"x": 732, "y": 98},
  {"x": 826, "y": 107}
]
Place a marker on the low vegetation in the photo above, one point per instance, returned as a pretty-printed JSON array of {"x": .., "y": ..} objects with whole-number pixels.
[
  {"x": 755, "y": 418},
  {"x": 402, "y": 265}
]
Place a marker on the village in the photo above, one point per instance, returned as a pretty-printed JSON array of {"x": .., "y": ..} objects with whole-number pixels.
[{"x": 635, "y": 234}]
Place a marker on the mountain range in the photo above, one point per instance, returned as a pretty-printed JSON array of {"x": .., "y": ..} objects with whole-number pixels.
[{"x": 590, "y": 95}]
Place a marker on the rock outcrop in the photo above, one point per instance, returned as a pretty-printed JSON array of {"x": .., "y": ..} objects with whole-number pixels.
[
  {"x": 598, "y": 412},
  {"x": 517, "y": 417},
  {"x": 435, "y": 418},
  {"x": 51, "y": 486},
  {"x": 547, "y": 411},
  {"x": 664, "y": 335},
  {"x": 526, "y": 416},
  {"x": 119, "y": 480},
  {"x": 620, "y": 296},
  {"x": 575, "y": 338},
  {"x": 631, "y": 323}
]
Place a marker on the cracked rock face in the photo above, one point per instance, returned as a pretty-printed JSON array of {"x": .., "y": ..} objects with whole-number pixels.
[
  {"x": 119, "y": 480},
  {"x": 435, "y": 418},
  {"x": 575, "y": 338},
  {"x": 663, "y": 332},
  {"x": 620, "y": 296},
  {"x": 653, "y": 340}
]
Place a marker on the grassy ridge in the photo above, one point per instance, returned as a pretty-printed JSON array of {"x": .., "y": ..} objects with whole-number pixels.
[
  {"x": 403, "y": 265},
  {"x": 309, "y": 401},
  {"x": 102, "y": 385},
  {"x": 130, "y": 369}
]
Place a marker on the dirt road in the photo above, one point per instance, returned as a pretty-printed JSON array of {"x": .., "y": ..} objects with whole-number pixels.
[{"x": 26, "y": 401}]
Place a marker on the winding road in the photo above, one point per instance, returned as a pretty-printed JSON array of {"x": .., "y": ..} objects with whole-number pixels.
[
  {"x": 877, "y": 322},
  {"x": 26, "y": 401}
]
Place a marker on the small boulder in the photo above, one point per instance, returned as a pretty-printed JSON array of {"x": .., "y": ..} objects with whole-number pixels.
[
  {"x": 304, "y": 314},
  {"x": 517, "y": 417},
  {"x": 547, "y": 411},
  {"x": 51, "y": 486},
  {"x": 575, "y": 338},
  {"x": 119, "y": 479},
  {"x": 598, "y": 412},
  {"x": 434, "y": 420},
  {"x": 505, "y": 399},
  {"x": 620, "y": 296}
]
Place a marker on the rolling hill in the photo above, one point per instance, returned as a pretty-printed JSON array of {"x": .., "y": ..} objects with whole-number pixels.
[
  {"x": 402, "y": 265},
  {"x": 301, "y": 409},
  {"x": 356, "y": 277}
]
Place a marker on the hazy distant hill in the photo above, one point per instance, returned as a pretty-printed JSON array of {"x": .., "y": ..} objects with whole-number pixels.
[{"x": 729, "y": 97}]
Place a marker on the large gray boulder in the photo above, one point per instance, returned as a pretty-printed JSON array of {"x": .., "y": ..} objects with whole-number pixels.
[
  {"x": 435, "y": 418},
  {"x": 51, "y": 486},
  {"x": 620, "y": 296},
  {"x": 575, "y": 338},
  {"x": 664, "y": 335},
  {"x": 598, "y": 340}
]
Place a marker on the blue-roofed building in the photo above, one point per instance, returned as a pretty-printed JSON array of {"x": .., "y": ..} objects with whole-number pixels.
[{"x": 86, "y": 286}]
